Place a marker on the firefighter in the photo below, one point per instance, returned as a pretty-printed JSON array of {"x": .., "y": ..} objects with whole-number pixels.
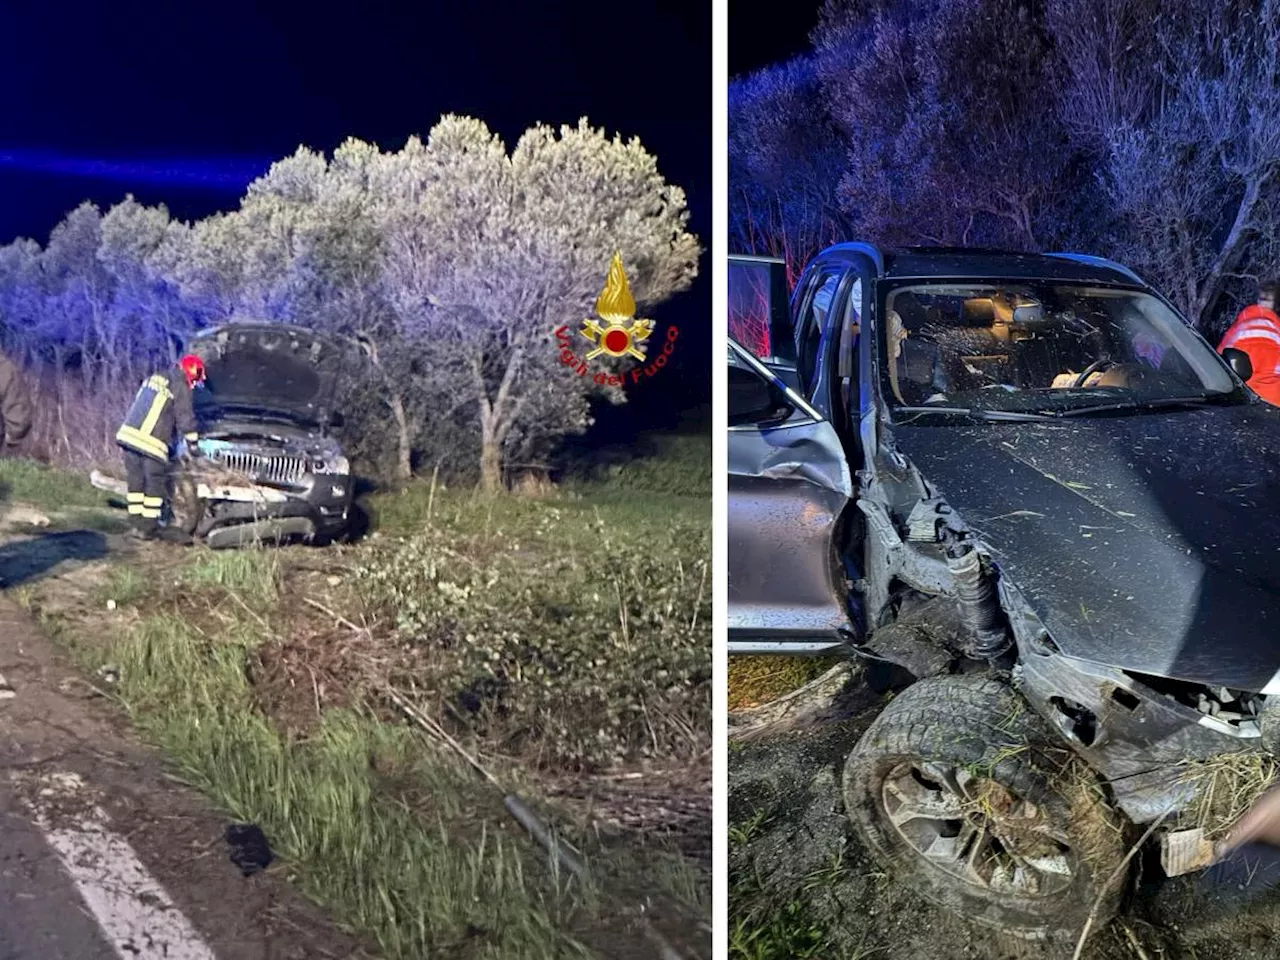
[
  {"x": 1256, "y": 331},
  {"x": 159, "y": 422}
]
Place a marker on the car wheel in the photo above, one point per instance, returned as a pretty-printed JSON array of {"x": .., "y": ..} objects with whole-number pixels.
[{"x": 960, "y": 790}]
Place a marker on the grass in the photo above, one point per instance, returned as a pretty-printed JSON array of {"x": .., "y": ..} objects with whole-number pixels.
[
  {"x": 46, "y": 487},
  {"x": 764, "y": 926},
  {"x": 418, "y": 886},
  {"x": 563, "y": 627},
  {"x": 420, "y": 505},
  {"x": 758, "y": 680},
  {"x": 124, "y": 585},
  {"x": 657, "y": 463},
  {"x": 1225, "y": 788},
  {"x": 402, "y": 844},
  {"x": 252, "y": 574}
]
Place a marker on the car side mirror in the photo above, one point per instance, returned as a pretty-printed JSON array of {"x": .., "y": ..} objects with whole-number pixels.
[{"x": 1239, "y": 362}]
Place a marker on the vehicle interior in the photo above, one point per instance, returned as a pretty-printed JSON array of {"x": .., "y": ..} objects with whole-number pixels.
[{"x": 953, "y": 342}]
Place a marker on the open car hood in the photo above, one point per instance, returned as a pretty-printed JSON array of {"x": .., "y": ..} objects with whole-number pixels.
[
  {"x": 268, "y": 371},
  {"x": 1149, "y": 542}
]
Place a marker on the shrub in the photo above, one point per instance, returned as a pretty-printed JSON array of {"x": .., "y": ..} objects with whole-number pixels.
[{"x": 578, "y": 657}]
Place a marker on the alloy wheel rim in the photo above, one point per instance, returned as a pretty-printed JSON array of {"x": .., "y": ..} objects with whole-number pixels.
[{"x": 974, "y": 829}]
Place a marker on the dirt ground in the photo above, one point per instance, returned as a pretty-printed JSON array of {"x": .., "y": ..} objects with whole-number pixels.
[{"x": 802, "y": 885}]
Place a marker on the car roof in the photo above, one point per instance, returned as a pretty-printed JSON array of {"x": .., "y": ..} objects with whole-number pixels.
[
  {"x": 935, "y": 262},
  {"x": 974, "y": 263}
]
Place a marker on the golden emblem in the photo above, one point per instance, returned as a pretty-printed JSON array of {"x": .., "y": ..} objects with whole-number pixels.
[{"x": 619, "y": 334}]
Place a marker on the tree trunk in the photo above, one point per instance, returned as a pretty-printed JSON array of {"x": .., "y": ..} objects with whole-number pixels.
[
  {"x": 1242, "y": 228},
  {"x": 404, "y": 448},
  {"x": 490, "y": 465},
  {"x": 490, "y": 449}
]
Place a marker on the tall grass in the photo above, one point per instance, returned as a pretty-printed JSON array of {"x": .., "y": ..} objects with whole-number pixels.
[
  {"x": 659, "y": 463},
  {"x": 420, "y": 887},
  {"x": 578, "y": 635},
  {"x": 47, "y": 487},
  {"x": 251, "y": 573}
]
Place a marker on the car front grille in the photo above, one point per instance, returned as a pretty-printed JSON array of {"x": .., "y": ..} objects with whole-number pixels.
[{"x": 278, "y": 469}]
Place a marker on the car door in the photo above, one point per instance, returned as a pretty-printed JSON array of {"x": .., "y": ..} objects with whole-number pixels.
[
  {"x": 789, "y": 482},
  {"x": 760, "y": 312}
]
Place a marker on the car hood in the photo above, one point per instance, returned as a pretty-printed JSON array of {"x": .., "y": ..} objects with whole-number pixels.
[
  {"x": 1150, "y": 542},
  {"x": 267, "y": 371}
]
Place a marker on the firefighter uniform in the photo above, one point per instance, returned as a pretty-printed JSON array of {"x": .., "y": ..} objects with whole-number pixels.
[{"x": 161, "y": 410}]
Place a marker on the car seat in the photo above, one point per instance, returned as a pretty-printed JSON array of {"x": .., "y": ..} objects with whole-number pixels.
[{"x": 973, "y": 356}]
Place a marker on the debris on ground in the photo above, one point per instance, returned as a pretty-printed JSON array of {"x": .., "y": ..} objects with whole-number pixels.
[{"x": 249, "y": 848}]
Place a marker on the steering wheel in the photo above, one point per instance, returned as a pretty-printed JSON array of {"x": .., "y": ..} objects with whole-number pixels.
[{"x": 1101, "y": 363}]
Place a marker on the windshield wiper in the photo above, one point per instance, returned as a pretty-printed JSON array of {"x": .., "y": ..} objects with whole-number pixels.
[
  {"x": 975, "y": 413},
  {"x": 1152, "y": 404}
]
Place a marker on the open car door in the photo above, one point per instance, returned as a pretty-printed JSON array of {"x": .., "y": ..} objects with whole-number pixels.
[
  {"x": 760, "y": 318},
  {"x": 789, "y": 482}
]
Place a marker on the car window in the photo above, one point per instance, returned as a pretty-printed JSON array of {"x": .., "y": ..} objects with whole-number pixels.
[
  {"x": 811, "y": 326},
  {"x": 759, "y": 309},
  {"x": 1027, "y": 346},
  {"x": 755, "y": 400}
]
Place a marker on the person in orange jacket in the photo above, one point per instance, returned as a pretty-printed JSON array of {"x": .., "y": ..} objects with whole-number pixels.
[{"x": 1256, "y": 332}]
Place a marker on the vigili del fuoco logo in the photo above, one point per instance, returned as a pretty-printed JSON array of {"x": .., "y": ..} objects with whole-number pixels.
[{"x": 615, "y": 335}]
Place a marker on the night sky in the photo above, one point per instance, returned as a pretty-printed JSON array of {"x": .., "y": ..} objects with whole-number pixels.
[
  {"x": 184, "y": 103},
  {"x": 764, "y": 33}
]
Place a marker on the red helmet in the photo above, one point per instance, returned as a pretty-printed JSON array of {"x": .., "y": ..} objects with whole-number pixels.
[{"x": 193, "y": 368}]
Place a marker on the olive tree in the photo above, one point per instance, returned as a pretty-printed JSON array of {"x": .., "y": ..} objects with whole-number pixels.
[
  {"x": 1189, "y": 132},
  {"x": 948, "y": 117},
  {"x": 452, "y": 261},
  {"x": 786, "y": 160},
  {"x": 488, "y": 252}
]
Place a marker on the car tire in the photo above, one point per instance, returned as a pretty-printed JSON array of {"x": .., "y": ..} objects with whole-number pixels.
[{"x": 961, "y": 791}]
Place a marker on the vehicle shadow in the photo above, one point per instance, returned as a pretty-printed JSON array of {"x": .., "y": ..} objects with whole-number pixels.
[{"x": 22, "y": 561}]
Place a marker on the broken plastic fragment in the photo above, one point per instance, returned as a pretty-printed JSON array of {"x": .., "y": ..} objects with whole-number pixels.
[{"x": 1184, "y": 851}]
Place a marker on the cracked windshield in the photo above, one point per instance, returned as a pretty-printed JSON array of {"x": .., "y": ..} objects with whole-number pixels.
[{"x": 1043, "y": 349}]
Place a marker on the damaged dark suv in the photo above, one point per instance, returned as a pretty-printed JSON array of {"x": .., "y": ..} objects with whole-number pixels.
[
  {"x": 1031, "y": 487},
  {"x": 269, "y": 468}
]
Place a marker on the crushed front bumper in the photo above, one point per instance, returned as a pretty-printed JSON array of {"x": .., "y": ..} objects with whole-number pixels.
[{"x": 236, "y": 512}]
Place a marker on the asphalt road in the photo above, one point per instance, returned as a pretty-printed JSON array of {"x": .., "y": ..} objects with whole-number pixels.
[{"x": 42, "y": 916}]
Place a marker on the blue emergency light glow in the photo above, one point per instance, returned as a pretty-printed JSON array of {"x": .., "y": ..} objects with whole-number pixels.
[{"x": 220, "y": 173}]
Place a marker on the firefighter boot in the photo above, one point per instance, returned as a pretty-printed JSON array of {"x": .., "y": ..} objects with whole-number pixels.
[
  {"x": 143, "y": 528},
  {"x": 175, "y": 535}
]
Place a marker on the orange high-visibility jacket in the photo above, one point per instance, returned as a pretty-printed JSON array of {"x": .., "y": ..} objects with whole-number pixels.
[{"x": 1257, "y": 332}]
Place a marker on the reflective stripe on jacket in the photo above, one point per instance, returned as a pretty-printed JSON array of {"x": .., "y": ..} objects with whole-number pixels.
[
  {"x": 161, "y": 407},
  {"x": 1256, "y": 331}
]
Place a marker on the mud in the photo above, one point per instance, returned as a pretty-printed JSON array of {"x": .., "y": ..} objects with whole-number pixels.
[{"x": 802, "y": 885}]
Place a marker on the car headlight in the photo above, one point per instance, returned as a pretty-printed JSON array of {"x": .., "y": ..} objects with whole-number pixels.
[{"x": 338, "y": 465}]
